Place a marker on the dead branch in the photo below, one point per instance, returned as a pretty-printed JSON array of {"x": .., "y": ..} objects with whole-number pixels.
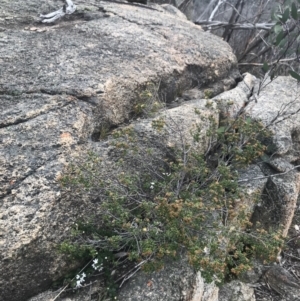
[
  {"x": 270, "y": 176},
  {"x": 246, "y": 26},
  {"x": 271, "y": 63}
]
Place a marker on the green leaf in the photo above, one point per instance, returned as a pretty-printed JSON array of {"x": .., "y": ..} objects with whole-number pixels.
[
  {"x": 265, "y": 158},
  {"x": 248, "y": 120},
  {"x": 279, "y": 38},
  {"x": 274, "y": 13},
  {"x": 288, "y": 3},
  {"x": 294, "y": 11},
  {"x": 294, "y": 75},
  {"x": 277, "y": 28},
  {"x": 276, "y": 17},
  {"x": 272, "y": 75},
  {"x": 285, "y": 15},
  {"x": 265, "y": 67},
  {"x": 282, "y": 43},
  {"x": 221, "y": 130}
]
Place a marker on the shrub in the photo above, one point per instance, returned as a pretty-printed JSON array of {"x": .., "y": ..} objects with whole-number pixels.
[
  {"x": 150, "y": 207},
  {"x": 147, "y": 102}
]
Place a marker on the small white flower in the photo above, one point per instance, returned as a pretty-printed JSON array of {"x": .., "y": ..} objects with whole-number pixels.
[
  {"x": 80, "y": 279},
  {"x": 296, "y": 227},
  {"x": 78, "y": 284},
  {"x": 206, "y": 251},
  {"x": 96, "y": 266}
]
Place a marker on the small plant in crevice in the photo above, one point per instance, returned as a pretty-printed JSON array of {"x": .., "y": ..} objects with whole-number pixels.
[
  {"x": 148, "y": 101},
  {"x": 208, "y": 93},
  {"x": 101, "y": 132},
  {"x": 150, "y": 206}
]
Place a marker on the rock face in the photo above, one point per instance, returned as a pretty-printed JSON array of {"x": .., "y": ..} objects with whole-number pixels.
[
  {"x": 277, "y": 106},
  {"x": 149, "y": 287},
  {"x": 283, "y": 282},
  {"x": 236, "y": 291},
  {"x": 59, "y": 85}
]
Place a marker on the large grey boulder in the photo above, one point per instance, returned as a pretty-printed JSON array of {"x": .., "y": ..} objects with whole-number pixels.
[
  {"x": 59, "y": 85},
  {"x": 277, "y": 105}
]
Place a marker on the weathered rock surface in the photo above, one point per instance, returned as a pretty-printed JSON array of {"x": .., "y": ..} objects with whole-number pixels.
[
  {"x": 283, "y": 282},
  {"x": 148, "y": 287},
  {"x": 59, "y": 84},
  {"x": 92, "y": 292},
  {"x": 236, "y": 291},
  {"x": 278, "y": 106},
  {"x": 204, "y": 291}
]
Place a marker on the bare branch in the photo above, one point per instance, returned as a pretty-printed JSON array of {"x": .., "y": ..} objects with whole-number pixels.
[
  {"x": 214, "y": 12},
  {"x": 271, "y": 63},
  {"x": 236, "y": 14},
  {"x": 270, "y": 176},
  {"x": 247, "y": 26}
]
